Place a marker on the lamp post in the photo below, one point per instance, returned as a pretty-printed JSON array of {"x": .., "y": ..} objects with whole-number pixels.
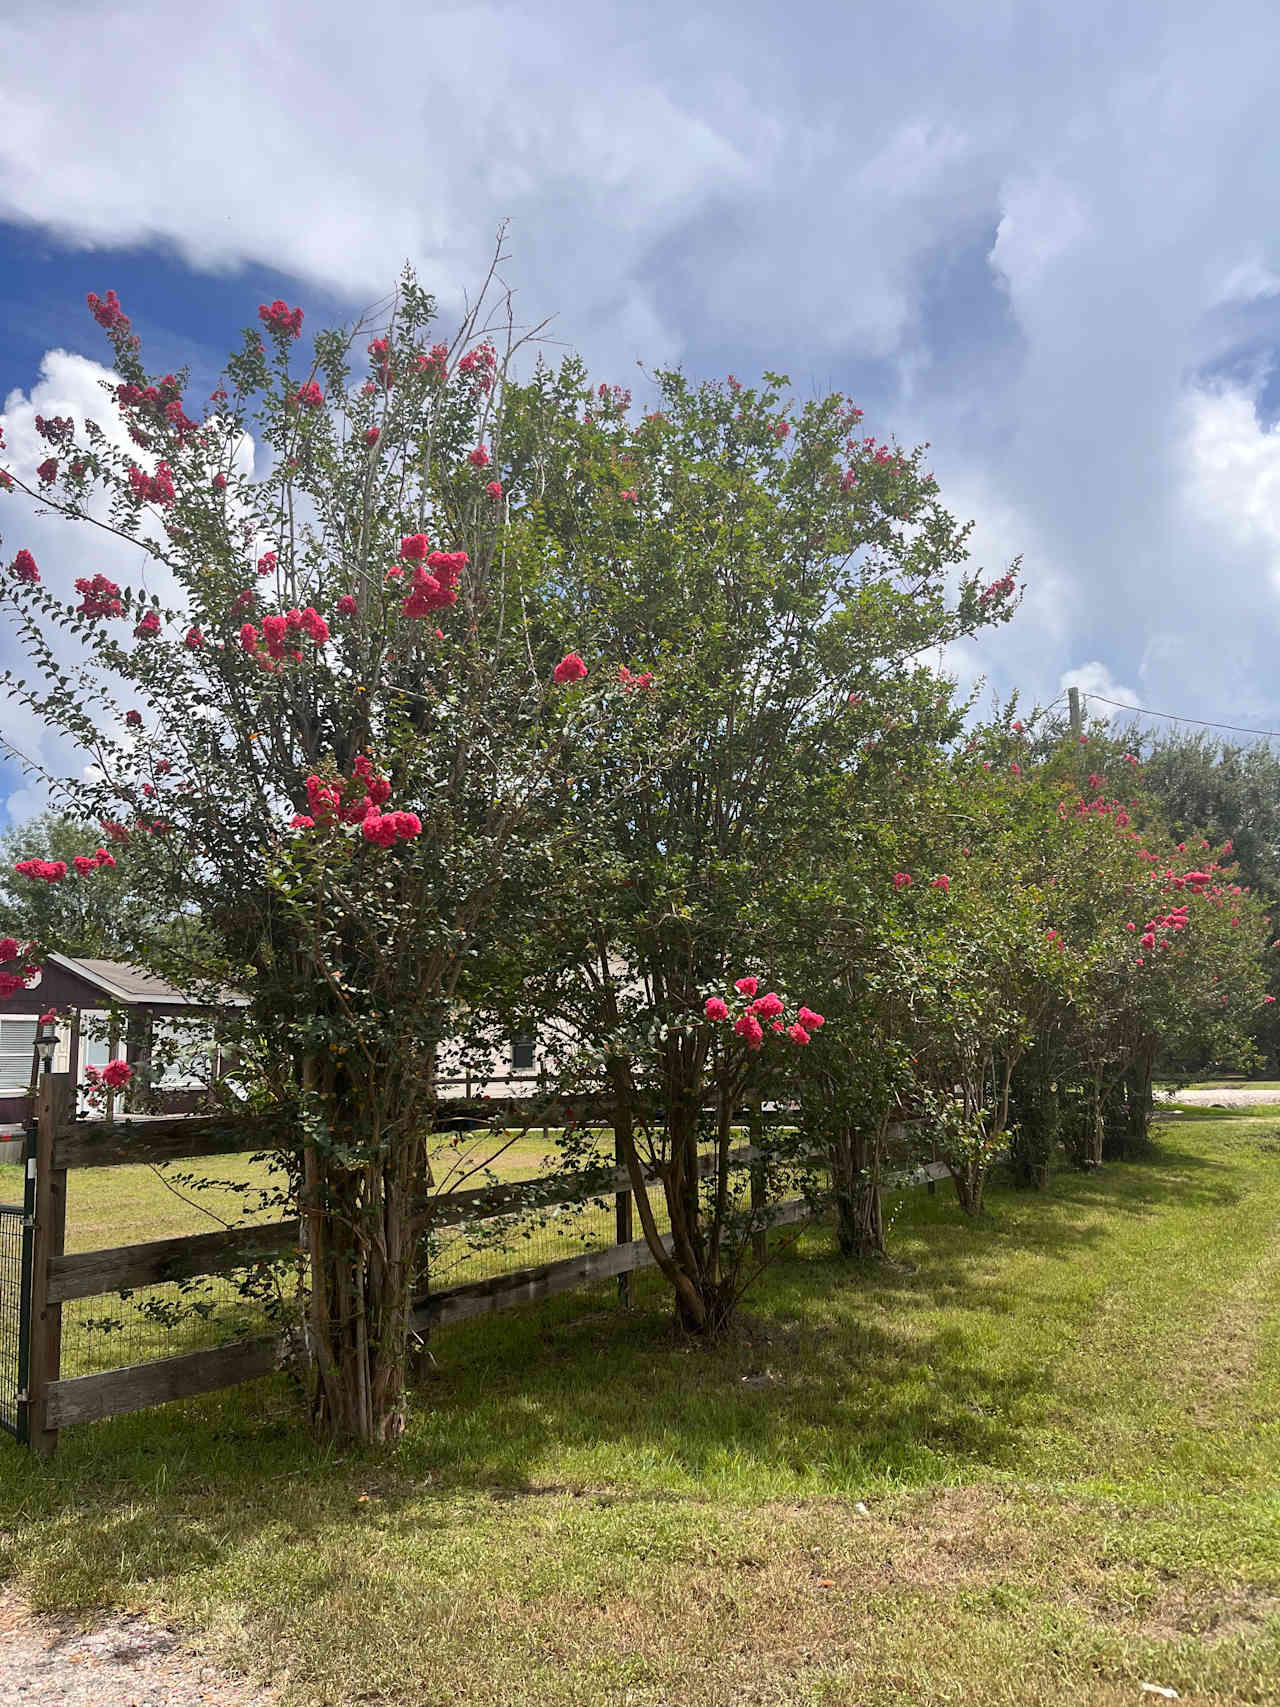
[{"x": 45, "y": 1044}]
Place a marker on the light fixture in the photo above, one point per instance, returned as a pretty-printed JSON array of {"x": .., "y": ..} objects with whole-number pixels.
[{"x": 46, "y": 1043}]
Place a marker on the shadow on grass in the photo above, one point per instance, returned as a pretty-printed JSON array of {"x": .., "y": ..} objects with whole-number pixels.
[{"x": 839, "y": 1377}]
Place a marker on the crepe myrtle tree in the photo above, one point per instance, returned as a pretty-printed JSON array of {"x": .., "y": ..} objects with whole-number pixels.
[
  {"x": 766, "y": 578},
  {"x": 319, "y": 719},
  {"x": 1150, "y": 934}
]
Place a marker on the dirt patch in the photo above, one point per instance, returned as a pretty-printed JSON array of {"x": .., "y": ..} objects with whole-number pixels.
[
  {"x": 1211, "y": 1615},
  {"x": 123, "y": 1661}
]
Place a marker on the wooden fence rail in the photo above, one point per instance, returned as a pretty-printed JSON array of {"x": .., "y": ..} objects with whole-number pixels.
[{"x": 55, "y": 1401}]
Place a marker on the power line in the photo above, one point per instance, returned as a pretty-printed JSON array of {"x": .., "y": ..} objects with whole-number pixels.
[{"x": 1145, "y": 711}]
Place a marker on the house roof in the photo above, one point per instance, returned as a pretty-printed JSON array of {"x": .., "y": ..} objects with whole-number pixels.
[{"x": 132, "y": 987}]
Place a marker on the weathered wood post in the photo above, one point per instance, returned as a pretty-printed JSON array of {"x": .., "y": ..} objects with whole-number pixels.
[{"x": 53, "y": 1109}]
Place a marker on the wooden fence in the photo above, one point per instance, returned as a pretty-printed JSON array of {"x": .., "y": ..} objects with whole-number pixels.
[{"x": 59, "y": 1277}]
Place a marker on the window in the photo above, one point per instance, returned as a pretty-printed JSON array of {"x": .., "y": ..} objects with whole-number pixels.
[
  {"x": 17, "y": 1038},
  {"x": 522, "y": 1054}
]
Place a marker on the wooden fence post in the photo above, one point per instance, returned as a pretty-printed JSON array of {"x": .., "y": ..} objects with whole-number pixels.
[
  {"x": 760, "y": 1237},
  {"x": 624, "y": 1222},
  {"x": 53, "y": 1109}
]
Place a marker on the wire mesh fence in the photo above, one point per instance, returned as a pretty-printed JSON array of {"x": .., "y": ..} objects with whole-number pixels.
[{"x": 12, "y": 1299}]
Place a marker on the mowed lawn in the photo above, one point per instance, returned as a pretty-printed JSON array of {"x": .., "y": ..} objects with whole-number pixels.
[{"x": 1063, "y": 1424}]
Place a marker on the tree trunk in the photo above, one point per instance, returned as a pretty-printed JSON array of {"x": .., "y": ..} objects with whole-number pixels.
[
  {"x": 970, "y": 1177},
  {"x": 364, "y": 1227},
  {"x": 855, "y": 1177}
]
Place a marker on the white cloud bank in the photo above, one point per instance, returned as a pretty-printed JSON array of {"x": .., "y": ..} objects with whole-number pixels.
[{"x": 764, "y": 186}]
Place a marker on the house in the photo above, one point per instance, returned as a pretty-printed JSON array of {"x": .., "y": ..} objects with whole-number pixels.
[{"x": 107, "y": 1009}]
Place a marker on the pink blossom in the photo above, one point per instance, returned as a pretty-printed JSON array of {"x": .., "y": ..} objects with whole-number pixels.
[
  {"x": 84, "y": 864},
  {"x": 267, "y": 563},
  {"x": 248, "y": 637},
  {"x": 346, "y": 605},
  {"x": 942, "y": 881},
  {"x": 279, "y": 317},
  {"x": 47, "y": 870},
  {"x": 379, "y": 830},
  {"x": 116, "y": 1074},
  {"x": 372, "y": 435},
  {"x": 1131, "y": 926},
  {"x": 98, "y": 597},
  {"x": 101, "y": 856},
  {"x": 630, "y": 496},
  {"x": 108, "y": 312},
  {"x": 715, "y": 1007},
  {"x": 901, "y": 879},
  {"x": 48, "y": 471},
  {"x": 1267, "y": 999},
  {"x": 493, "y": 490},
  {"x": 414, "y": 547},
  {"x": 219, "y": 482},
  {"x": 768, "y": 1006},
  {"x": 10, "y": 950},
  {"x": 300, "y": 821},
  {"x": 309, "y": 395},
  {"x": 570, "y": 668},
  {"x": 479, "y": 457},
  {"x": 746, "y": 986},
  {"x": 149, "y": 625},
  {"x": 750, "y": 1029},
  {"x": 810, "y": 1020},
  {"x": 23, "y": 567},
  {"x": 1147, "y": 940},
  {"x": 797, "y": 1033},
  {"x": 133, "y": 719},
  {"x": 193, "y": 639}
]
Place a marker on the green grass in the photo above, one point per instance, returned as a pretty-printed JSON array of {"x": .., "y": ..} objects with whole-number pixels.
[{"x": 1063, "y": 1421}]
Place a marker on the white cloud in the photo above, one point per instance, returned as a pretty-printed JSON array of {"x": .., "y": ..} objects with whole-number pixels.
[
  {"x": 792, "y": 188},
  {"x": 1094, "y": 679},
  {"x": 68, "y": 385}
]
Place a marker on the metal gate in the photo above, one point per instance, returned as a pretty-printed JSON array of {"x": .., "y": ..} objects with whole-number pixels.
[{"x": 16, "y": 1241}]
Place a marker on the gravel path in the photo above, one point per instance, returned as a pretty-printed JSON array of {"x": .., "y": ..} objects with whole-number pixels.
[
  {"x": 122, "y": 1662},
  {"x": 1238, "y": 1096}
]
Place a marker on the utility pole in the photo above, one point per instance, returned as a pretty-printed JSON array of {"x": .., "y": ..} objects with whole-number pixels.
[{"x": 1077, "y": 711}]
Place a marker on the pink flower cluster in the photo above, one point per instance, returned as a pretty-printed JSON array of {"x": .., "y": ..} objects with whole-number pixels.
[
  {"x": 309, "y": 395},
  {"x": 436, "y": 363},
  {"x": 23, "y": 568},
  {"x": 325, "y": 806},
  {"x": 478, "y": 364},
  {"x": 154, "y": 488},
  {"x": 108, "y": 312},
  {"x": 997, "y": 590},
  {"x": 150, "y": 624},
  {"x": 767, "y": 1009},
  {"x": 435, "y": 577},
  {"x": 98, "y": 597},
  {"x": 630, "y": 683},
  {"x": 276, "y": 631},
  {"x": 278, "y": 317},
  {"x": 570, "y": 669},
  {"x": 114, "y": 1075}
]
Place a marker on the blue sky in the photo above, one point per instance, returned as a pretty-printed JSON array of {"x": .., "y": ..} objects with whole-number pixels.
[{"x": 1044, "y": 239}]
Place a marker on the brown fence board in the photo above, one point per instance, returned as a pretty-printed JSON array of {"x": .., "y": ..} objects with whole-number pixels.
[
  {"x": 85, "y": 1274},
  {"x": 115, "y": 1392},
  {"x": 525, "y": 1285},
  {"x": 160, "y": 1138}
]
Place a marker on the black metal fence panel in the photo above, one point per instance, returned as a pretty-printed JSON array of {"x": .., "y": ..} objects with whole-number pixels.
[{"x": 15, "y": 1259}]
